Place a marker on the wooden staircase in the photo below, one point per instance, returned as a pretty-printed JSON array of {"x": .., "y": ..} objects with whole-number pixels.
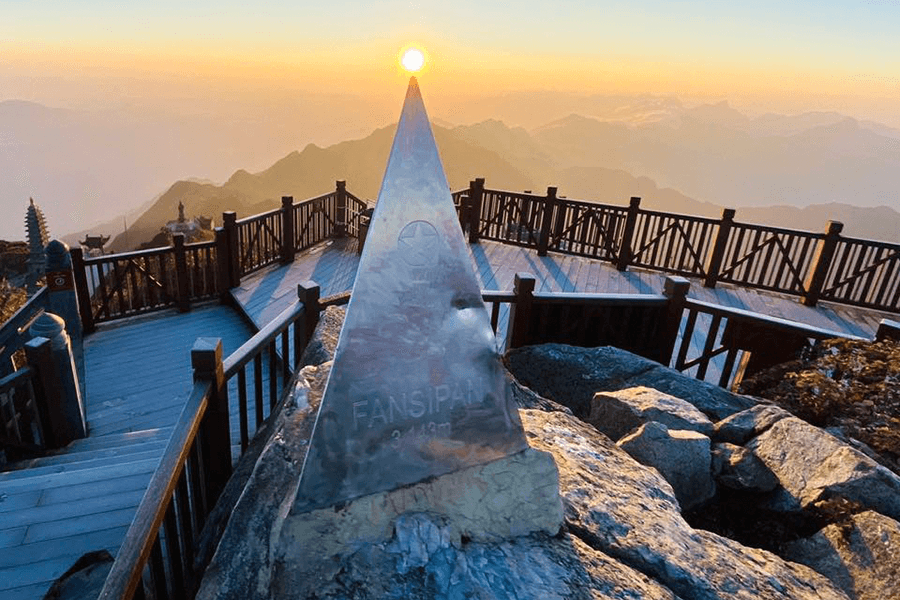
[{"x": 55, "y": 508}]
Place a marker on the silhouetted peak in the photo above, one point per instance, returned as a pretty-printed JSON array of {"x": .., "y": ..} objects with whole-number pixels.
[{"x": 719, "y": 113}]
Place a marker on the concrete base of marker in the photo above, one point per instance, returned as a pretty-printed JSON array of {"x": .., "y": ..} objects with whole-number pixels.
[{"x": 511, "y": 497}]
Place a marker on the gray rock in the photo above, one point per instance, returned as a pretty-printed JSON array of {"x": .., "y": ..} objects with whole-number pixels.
[
  {"x": 423, "y": 560},
  {"x": 813, "y": 466},
  {"x": 324, "y": 340},
  {"x": 84, "y": 579},
  {"x": 242, "y": 564},
  {"x": 571, "y": 376},
  {"x": 620, "y": 412},
  {"x": 741, "y": 427},
  {"x": 860, "y": 556},
  {"x": 628, "y": 511},
  {"x": 682, "y": 457},
  {"x": 526, "y": 398},
  {"x": 738, "y": 468}
]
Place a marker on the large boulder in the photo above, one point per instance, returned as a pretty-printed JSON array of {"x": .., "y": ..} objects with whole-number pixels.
[
  {"x": 741, "y": 427},
  {"x": 813, "y": 466},
  {"x": 681, "y": 456},
  {"x": 571, "y": 375},
  {"x": 628, "y": 511},
  {"x": 620, "y": 412},
  {"x": 738, "y": 468},
  {"x": 859, "y": 555}
]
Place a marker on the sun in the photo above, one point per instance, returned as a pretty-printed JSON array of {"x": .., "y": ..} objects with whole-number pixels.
[{"x": 413, "y": 59}]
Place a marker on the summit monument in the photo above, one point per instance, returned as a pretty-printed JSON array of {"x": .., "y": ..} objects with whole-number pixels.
[{"x": 417, "y": 389}]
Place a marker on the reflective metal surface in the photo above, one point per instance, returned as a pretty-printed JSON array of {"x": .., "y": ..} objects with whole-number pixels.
[{"x": 417, "y": 388}]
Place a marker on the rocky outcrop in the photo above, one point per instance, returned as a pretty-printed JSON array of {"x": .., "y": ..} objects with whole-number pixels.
[
  {"x": 813, "y": 466},
  {"x": 618, "y": 413},
  {"x": 681, "y": 456},
  {"x": 851, "y": 385},
  {"x": 859, "y": 555},
  {"x": 741, "y": 427},
  {"x": 571, "y": 376},
  {"x": 321, "y": 346},
  {"x": 629, "y": 512},
  {"x": 242, "y": 564},
  {"x": 84, "y": 579},
  {"x": 738, "y": 468}
]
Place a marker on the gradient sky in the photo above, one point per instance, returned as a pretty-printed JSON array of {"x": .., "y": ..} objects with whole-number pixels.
[{"x": 843, "y": 54}]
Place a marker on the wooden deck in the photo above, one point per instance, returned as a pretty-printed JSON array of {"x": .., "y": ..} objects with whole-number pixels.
[
  {"x": 84, "y": 498},
  {"x": 137, "y": 378},
  {"x": 333, "y": 266}
]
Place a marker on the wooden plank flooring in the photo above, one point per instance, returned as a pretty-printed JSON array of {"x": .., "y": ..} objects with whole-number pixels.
[
  {"x": 333, "y": 266},
  {"x": 137, "y": 378}
]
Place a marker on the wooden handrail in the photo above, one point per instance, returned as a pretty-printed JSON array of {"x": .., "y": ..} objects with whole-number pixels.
[
  {"x": 243, "y": 355},
  {"x": 13, "y": 329},
  {"x": 125, "y": 576},
  {"x": 778, "y": 323}
]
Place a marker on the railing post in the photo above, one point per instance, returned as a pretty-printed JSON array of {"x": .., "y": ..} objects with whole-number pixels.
[
  {"x": 308, "y": 293},
  {"x": 229, "y": 222},
  {"x": 676, "y": 290},
  {"x": 223, "y": 272},
  {"x": 888, "y": 330},
  {"x": 625, "y": 251},
  {"x": 81, "y": 290},
  {"x": 287, "y": 228},
  {"x": 49, "y": 352},
  {"x": 714, "y": 266},
  {"x": 476, "y": 192},
  {"x": 206, "y": 360},
  {"x": 62, "y": 299},
  {"x": 520, "y": 311},
  {"x": 463, "y": 214},
  {"x": 340, "y": 219},
  {"x": 822, "y": 262},
  {"x": 547, "y": 221},
  {"x": 183, "y": 297}
]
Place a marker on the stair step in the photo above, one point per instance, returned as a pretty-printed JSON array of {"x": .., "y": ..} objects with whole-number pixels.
[
  {"x": 95, "y": 463},
  {"x": 25, "y": 480},
  {"x": 114, "y": 440},
  {"x": 90, "y": 454}
]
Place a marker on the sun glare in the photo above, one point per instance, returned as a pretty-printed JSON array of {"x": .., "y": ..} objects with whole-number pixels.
[{"x": 413, "y": 59}]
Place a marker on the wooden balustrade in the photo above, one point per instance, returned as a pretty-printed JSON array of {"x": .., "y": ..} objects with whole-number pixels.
[
  {"x": 159, "y": 555},
  {"x": 11, "y": 333},
  {"x": 21, "y": 427},
  {"x": 758, "y": 341},
  {"x": 809, "y": 265}
]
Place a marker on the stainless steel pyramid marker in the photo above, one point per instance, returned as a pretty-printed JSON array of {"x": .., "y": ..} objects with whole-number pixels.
[{"x": 416, "y": 389}]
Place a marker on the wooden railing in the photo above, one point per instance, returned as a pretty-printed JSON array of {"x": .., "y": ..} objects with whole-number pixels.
[
  {"x": 760, "y": 341},
  {"x": 864, "y": 273},
  {"x": 710, "y": 342},
  {"x": 122, "y": 285},
  {"x": 12, "y": 332},
  {"x": 115, "y": 286},
  {"x": 809, "y": 265},
  {"x": 158, "y": 557},
  {"x": 21, "y": 429}
]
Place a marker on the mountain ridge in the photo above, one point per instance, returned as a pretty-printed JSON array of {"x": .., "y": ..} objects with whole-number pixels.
[{"x": 509, "y": 158}]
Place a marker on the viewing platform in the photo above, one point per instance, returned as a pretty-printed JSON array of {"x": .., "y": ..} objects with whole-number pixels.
[{"x": 144, "y": 311}]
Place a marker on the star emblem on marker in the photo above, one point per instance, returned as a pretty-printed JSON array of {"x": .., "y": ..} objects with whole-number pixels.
[{"x": 417, "y": 241}]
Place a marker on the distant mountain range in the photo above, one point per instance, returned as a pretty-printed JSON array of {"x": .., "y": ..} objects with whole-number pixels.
[
  {"x": 714, "y": 150},
  {"x": 94, "y": 167}
]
